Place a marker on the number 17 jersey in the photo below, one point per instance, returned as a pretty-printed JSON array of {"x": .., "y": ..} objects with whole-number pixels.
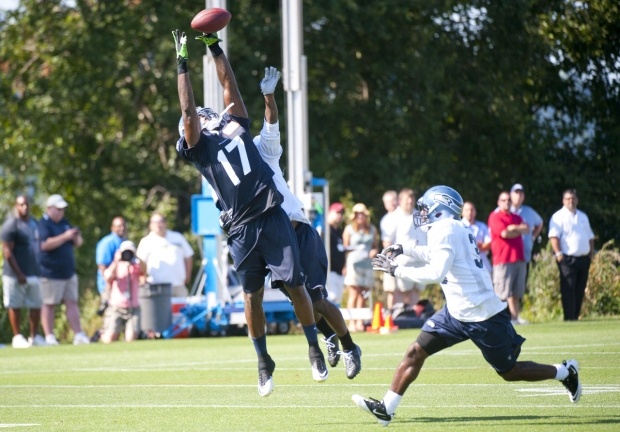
[{"x": 229, "y": 160}]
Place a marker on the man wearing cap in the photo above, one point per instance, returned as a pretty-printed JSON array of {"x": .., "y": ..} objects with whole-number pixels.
[
  {"x": 529, "y": 216},
  {"x": 59, "y": 282},
  {"x": 123, "y": 283}
]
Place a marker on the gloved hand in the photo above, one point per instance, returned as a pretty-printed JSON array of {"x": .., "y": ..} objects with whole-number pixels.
[
  {"x": 382, "y": 263},
  {"x": 268, "y": 84},
  {"x": 225, "y": 221},
  {"x": 392, "y": 251},
  {"x": 180, "y": 42},
  {"x": 209, "y": 39}
]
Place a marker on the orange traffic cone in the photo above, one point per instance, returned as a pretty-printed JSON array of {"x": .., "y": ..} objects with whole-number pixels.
[
  {"x": 388, "y": 326},
  {"x": 377, "y": 319}
]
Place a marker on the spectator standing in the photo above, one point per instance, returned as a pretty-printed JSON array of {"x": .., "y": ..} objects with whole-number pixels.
[
  {"x": 572, "y": 241},
  {"x": 59, "y": 282},
  {"x": 106, "y": 249},
  {"x": 20, "y": 272},
  {"x": 480, "y": 231},
  {"x": 335, "y": 277},
  {"x": 361, "y": 241},
  {"x": 167, "y": 256},
  {"x": 123, "y": 281},
  {"x": 401, "y": 230},
  {"x": 529, "y": 216},
  {"x": 386, "y": 224},
  {"x": 509, "y": 268}
]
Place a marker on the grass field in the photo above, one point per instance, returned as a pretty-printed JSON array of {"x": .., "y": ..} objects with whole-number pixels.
[{"x": 210, "y": 385}]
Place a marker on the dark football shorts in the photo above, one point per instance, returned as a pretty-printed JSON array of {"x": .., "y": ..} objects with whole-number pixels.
[
  {"x": 313, "y": 261},
  {"x": 495, "y": 337},
  {"x": 263, "y": 245}
]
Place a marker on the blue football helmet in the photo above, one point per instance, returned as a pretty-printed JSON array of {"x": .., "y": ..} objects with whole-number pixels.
[{"x": 439, "y": 202}]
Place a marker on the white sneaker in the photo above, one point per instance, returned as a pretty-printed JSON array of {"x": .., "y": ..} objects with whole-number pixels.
[
  {"x": 38, "y": 340},
  {"x": 20, "y": 341},
  {"x": 80, "y": 339},
  {"x": 50, "y": 340}
]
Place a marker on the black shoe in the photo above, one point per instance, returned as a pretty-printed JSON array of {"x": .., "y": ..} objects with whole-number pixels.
[
  {"x": 353, "y": 361},
  {"x": 333, "y": 350},
  {"x": 374, "y": 407},
  {"x": 265, "y": 377},
  {"x": 571, "y": 382}
]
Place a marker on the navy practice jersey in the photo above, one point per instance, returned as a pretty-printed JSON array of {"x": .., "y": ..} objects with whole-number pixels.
[{"x": 230, "y": 162}]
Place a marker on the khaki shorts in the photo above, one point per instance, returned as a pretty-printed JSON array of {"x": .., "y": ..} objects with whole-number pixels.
[
  {"x": 335, "y": 287},
  {"x": 55, "y": 291},
  {"x": 17, "y": 296},
  {"x": 119, "y": 320},
  {"x": 392, "y": 284},
  {"x": 509, "y": 279}
]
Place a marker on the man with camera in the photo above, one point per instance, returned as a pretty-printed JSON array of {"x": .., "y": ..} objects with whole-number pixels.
[{"x": 123, "y": 283}]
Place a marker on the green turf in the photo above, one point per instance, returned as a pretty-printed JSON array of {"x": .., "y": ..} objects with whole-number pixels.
[{"x": 210, "y": 385}]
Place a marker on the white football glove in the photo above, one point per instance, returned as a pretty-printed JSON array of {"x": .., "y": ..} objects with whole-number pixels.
[
  {"x": 384, "y": 264},
  {"x": 268, "y": 84}
]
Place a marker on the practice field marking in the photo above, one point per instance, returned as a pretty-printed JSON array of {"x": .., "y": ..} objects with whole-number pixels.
[
  {"x": 15, "y": 425},
  {"x": 589, "y": 390},
  {"x": 321, "y": 407}
]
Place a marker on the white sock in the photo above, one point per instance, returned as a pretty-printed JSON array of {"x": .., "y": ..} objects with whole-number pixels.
[
  {"x": 391, "y": 401},
  {"x": 562, "y": 372}
]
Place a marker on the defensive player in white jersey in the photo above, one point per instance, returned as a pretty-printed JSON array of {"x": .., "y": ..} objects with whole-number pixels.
[
  {"x": 313, "y": 257},
  {"x": 472, "y": 309}
]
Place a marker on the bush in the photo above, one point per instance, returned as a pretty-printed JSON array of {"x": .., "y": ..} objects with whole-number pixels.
[{"x": 542, "y": 302}]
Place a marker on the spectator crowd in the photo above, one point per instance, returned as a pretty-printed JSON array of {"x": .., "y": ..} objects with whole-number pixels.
[{"x": 39, "y": 261}]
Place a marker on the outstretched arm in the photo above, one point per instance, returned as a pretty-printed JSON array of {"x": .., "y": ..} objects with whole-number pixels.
[
  {"x": 225, "y": 75},
  {"x": 191, "y": 122}
]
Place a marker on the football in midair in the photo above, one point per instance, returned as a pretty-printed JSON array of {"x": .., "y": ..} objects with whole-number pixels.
[{"x": 211, "y": 20}]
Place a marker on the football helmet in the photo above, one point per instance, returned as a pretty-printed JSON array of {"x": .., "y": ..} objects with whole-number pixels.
[
  {"x": 437, "y": 203},
  {"x": 208, "y": 117}
]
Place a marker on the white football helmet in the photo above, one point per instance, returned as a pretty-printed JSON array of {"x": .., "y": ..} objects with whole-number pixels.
[
  {"x": 437, "y": 203},
  {"x": 209, "y": 119}
]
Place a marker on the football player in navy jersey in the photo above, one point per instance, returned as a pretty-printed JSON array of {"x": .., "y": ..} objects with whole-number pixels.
[
  {"x": 472, "y": 309},
  {"x": 260, "y": 236}
]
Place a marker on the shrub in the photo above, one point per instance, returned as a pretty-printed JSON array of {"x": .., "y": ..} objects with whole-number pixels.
[{"x": 542, "y": 302}]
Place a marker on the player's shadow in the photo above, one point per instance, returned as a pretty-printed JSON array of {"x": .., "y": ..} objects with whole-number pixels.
[{"x": 518, "y": 420}]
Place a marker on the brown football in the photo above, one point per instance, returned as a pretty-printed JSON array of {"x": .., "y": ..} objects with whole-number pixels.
[{"x": 211, "y": 20}]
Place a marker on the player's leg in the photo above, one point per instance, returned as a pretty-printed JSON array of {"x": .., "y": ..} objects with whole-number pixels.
[
  {"x": 430, "y": 341},
  {"x": 251, "y": 270},
  {"x": 500, "y": 345}
]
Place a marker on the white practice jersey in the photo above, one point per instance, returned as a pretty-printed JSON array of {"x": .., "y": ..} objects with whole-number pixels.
[
  {"x": 268, "y": 145},
  {"x": 452, "y": 260}
]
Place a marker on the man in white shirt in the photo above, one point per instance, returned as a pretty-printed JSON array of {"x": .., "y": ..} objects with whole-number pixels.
[
  {"x": 400, "y": 230},
  {"x": 472, "y": 309},
  {"x": 167, "y": 256},
  {"x": 572, "y": 241}
]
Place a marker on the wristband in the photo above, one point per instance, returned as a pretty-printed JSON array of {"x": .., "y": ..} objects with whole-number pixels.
[
  {"x": 182, "y": 67},
  {"x": 558, "y": 254},
  {"x": 215, "y": 49}
]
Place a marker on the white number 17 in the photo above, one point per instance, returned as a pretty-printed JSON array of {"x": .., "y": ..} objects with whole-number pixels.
[{"x": 237, "y": 143}]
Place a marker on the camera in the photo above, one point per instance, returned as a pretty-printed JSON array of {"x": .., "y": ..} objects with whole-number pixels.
[
  {"x": 102, "y": 308},
  {"x": 127, "y": 255}
]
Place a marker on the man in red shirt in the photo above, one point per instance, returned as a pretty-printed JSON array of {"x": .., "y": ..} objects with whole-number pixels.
[{"x": 509, "y": 267}]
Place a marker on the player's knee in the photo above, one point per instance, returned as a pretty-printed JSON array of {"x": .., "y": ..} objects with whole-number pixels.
[{"x": 511, "y": 374}]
